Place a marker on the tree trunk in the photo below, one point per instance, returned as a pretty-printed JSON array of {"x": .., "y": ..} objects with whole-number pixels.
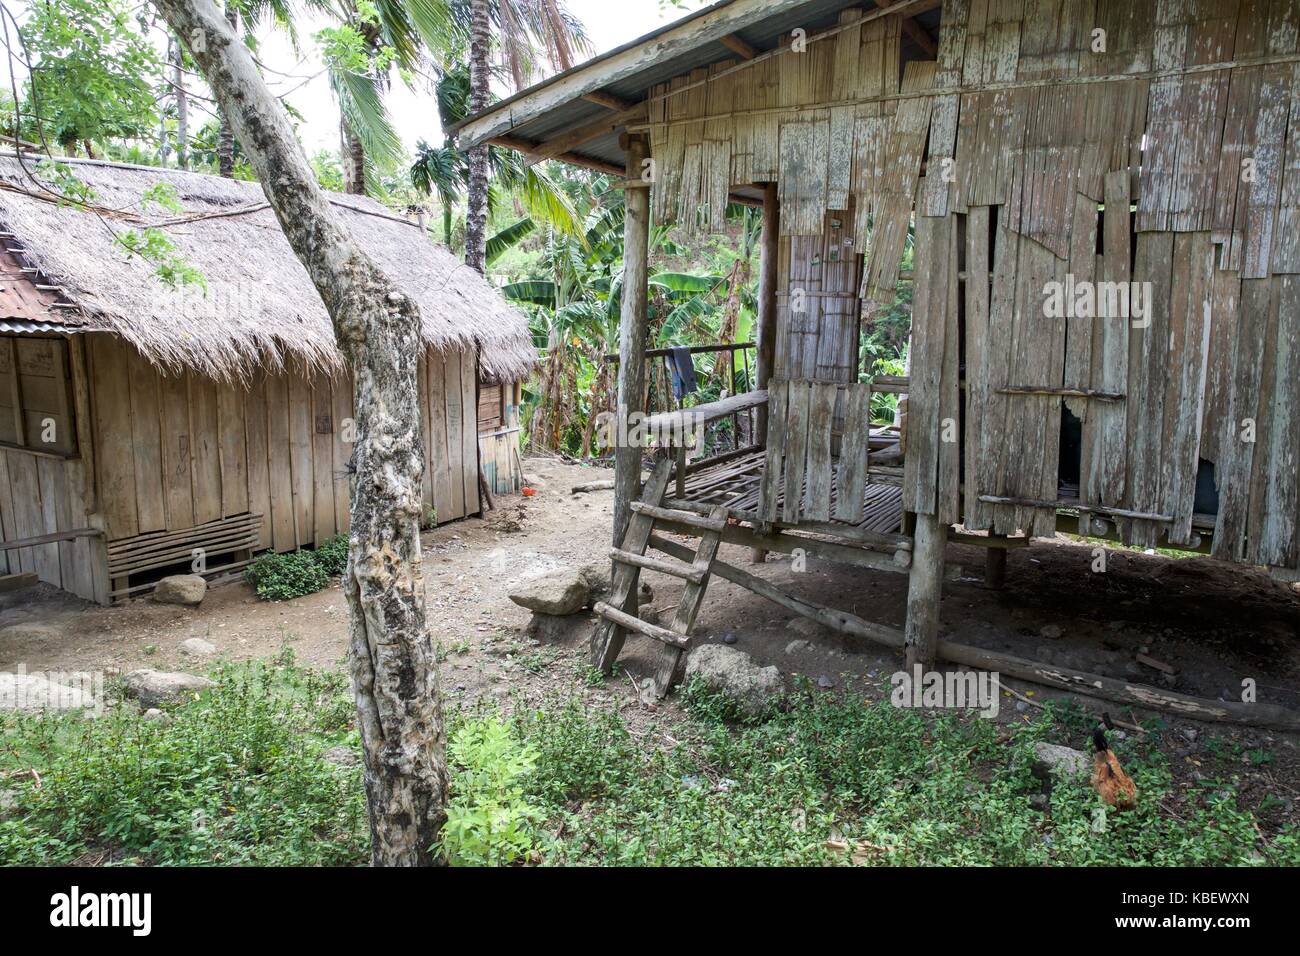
[
  {"x": 182, "y": 107},
  {"x": 394, "y": 673},
  {"x": 226, "y": 136},
  {"x": 353, "y": 157},
  {"x": 479, "y": 90}
]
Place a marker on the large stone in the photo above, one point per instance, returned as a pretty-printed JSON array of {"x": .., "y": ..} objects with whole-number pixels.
[
  {"x": 152, "y": 688},
  {"x": 596, "y": 575},
  {"x": 187, "y": 589},
  {"x": 559, "y": 629},
  {"x": 1053, "y": 759},
  {"x": 559, "y": 592},
  {"x": 197, "y": 647},
  {"x": 29, "y": 631},
  {"x": 32, "y": 692},
  {"x": 734, "y": 673}
]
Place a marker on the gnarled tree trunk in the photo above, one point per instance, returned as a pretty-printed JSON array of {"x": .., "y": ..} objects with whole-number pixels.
[
  {"x": 479, "y": 91},
  {"x": 395, "y": 680}
]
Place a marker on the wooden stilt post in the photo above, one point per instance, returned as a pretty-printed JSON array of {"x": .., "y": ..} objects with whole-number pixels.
[
  {"x": 767, "y": 268},
  {"x": 924, "y": 588},
  {"x": 995, "y": 566},
  {"x": 632, "y": 329}
]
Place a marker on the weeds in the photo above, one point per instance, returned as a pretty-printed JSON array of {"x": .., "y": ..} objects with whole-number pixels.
[{"x": 238, "y": 777}]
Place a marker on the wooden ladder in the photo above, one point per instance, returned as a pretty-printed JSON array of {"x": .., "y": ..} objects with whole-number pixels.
[{"x": 617, "y": 614}]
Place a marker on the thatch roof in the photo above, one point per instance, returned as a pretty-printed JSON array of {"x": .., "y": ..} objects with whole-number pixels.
[{"x": 260, "y": 306}]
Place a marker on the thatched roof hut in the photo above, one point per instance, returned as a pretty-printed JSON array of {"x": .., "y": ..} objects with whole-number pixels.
[
  {"x": 229, "y": 234},
  {"x": 143, "y": 423}
]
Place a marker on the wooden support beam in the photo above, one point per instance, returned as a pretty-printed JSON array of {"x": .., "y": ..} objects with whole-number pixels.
[
  {"x": 51, "y": 538},
  {"x": 574, "y": 138},
  {"x": 841, "y": 621},
  {"x": 920, "y": 36},
  {"x": 677, "y": 569},
  {"x": 527, "y": 147},
  {"x": 1106, "y": 688},
  {"x": 924, "y": 589},
  {"x": 630, "y": 623},
  {"x": 769, "y": 246},
  {"x": 607, "y": 100},
  {"x": 633, "y": 333},
  {"x": 736, "y": 44},
  {"x": 680, "y": 517}
]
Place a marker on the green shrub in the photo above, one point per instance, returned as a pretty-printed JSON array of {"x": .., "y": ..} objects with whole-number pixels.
[
  {"x": 278, "y": 577},
  {"x": 333, "y": 555},
  {"x": 236, "y": 777},
  {"x": 489, "y": 820}
]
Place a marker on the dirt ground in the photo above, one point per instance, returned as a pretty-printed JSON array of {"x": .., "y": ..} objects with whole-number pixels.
[{"x": 1211, "y": 623}]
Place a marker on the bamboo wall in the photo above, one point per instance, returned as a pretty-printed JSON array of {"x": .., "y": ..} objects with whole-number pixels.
[{"x": 1170, "y": 157}]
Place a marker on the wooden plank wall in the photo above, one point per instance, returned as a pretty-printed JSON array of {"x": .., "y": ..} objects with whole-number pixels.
[
  {"x": 498, "y": 436},
  {"x": 1170, "y": 158},
  {"x": 172, "y": 452},
  {"x": 177, "y": 451}
]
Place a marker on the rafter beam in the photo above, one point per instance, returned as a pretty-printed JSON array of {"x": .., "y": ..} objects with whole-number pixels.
[
  {"x": 607, "y": 100},
  {"x": 574, "y": 138},
  {"x": 920, "y": 36},
  {"x": 734, "y": 43},
  {"x": 528, "y": 149}
]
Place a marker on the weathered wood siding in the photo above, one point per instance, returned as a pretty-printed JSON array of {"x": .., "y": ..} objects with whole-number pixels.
[
  {"x": 1147, "y": 141},
  {"x": 498, "y": 436},
  {"x": 172, "y": 452},
  {"x": 179, "y": 451}
]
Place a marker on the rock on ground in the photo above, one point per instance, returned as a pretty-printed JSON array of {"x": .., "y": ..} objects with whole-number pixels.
[
  {"x": 32, "y": 692},
  {"x": 559, "y": 592},
  {"x": 187, "y": 589},
  {"x": 559, "y": 629},
  {"x": 197, "y": 647},
  {"x": 596, "y": 575},
  {"x": 152, "y": 688},
  {"x": 1052, "y": 759},
  {"x": 29, "y": 632},
  {"x": 735, "y": 674}
]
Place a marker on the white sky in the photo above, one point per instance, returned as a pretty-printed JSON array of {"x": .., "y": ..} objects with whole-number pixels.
[{"x": 609, "y": 23}]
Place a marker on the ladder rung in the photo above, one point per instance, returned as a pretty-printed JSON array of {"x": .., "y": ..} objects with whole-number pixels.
[
  {"x": 630, "y": 623},
  {"x": 715, "y": 525},
  {"x": 678, "y": 569}
]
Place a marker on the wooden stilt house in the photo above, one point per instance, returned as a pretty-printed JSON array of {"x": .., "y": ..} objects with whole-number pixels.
[
  {"x": 1104, "y": 198},
  {"x": 146, "y": 427}
]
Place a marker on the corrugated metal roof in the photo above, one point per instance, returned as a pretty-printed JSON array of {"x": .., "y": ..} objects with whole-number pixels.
[{"x": 763, "y": 35}]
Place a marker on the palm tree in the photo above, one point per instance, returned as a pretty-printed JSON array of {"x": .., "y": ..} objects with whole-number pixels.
[
  {"x": 445, "y": 171},
  {"x": 525, "y": 28},
  {"x": 250, "y": 14}
]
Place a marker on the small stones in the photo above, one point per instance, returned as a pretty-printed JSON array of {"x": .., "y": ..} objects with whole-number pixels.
[
  {"x": 825, "y": 683},
  {"x": 729, "y": 637},
  {"x": 197, "y": 647},
  {"x": 1051, "y": 631}
]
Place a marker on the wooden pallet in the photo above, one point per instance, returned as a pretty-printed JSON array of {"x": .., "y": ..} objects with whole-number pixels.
[{"x": 618, "y": 615}]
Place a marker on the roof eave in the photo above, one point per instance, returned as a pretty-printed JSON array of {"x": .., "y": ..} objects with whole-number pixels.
[{"x": 705, "y": 26}]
